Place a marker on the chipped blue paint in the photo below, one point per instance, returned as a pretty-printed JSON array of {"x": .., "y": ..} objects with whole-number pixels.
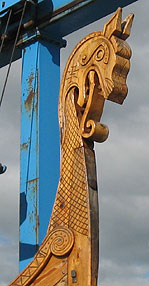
[
  {"x": 29, "y": 178},
  {"x": 39, "y": 144},
  {"x": 49, "y": 149}
]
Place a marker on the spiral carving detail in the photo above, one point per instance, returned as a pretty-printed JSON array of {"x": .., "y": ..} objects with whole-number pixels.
[
  {"x": 61, "y": 241},
  {"x": 102, "y": 53}
]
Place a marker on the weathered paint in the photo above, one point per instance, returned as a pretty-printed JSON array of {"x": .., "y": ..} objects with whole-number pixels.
[
  {"x": 29, "y": 186},
  {"x": 49, "y": 161},
  {"x": 39, "y": 144}
]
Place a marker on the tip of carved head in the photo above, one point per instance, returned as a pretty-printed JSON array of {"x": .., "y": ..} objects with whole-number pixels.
[
  {"x": 115, "y": 26},
  {"x": 126, "y": 26},
  {"x": 117, "y": 31}
]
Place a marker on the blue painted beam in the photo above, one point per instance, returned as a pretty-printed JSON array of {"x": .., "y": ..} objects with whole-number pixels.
[
  {"x": 57, "y": 4},
  {"x": 29, "y": 178},
  {"x": 39, "y": 144},
  {"x": 66, "y": 21},
  {"x": 57, "y": 18},
  {"x": 4, "y": 5}
]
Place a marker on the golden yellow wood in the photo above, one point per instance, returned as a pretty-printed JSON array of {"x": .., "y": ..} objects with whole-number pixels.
[{"x": 96, "y": 70}]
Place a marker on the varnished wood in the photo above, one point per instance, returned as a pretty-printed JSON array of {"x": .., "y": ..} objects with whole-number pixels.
[{"x": 96, "y": 70}]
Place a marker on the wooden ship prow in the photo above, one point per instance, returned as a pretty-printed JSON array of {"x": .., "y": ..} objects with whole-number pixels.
[{"x": 96, "y": 70}]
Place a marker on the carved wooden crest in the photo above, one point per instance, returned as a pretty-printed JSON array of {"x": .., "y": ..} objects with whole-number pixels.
[{"x": 96, "y": 70}]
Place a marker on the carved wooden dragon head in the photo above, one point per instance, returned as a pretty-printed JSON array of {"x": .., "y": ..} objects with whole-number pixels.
[{"x": 97, "y": 70}]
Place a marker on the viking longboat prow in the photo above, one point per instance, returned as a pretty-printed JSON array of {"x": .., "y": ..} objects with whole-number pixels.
[{"x": 96, "y": 70}]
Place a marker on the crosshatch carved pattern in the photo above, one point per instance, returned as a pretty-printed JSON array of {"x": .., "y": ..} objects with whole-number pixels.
[{"x": 71, "y": 204}]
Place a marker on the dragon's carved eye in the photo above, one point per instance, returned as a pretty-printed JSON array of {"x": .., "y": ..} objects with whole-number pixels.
[
  {"x": 98, "y": 51},
  {"x": 102, "y": 53}
]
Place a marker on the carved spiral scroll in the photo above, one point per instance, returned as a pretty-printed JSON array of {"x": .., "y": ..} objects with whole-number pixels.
[
  {"x": 61, "y": 241},
  {"x": 96, "y": 131},
  {"x": 91, "y": 128}
]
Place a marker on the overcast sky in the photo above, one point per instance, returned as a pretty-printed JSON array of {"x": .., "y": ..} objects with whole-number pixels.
[{"x": 122, "y": 161}]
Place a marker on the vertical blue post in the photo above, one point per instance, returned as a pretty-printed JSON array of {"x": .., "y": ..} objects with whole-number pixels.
[{"x": 39, "y": 143}]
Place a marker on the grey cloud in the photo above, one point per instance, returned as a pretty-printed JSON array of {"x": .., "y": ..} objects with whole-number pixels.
[
  {"x": 9, "y": 182},
  {"x": 123, "y": 166},
  {"x": 8, "y": 262},
  {"x": 119, "y": 276},
  {"x": 124, "y": 235}
]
